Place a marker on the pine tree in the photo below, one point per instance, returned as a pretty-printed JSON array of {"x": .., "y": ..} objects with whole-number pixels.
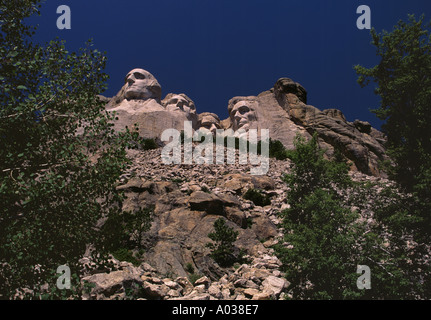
[{"x": 403, "y": 83}]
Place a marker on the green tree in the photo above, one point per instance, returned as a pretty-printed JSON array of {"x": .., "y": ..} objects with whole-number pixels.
[
  {"x": 277, "y": 150},
  {"x": 320, "y": 237},
  {"x": 59, "y": 156},
  {"x": 310, "y": 171},
  {"x": 403, "y": 82},
  {"x": 335, "y": 224},
  {"x": 125, "y": 229},
  {"x": 223, "y": 250}
]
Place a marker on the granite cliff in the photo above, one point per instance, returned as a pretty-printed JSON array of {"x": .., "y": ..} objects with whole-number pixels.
[
  {"x": 188, "y": 198},
  {"x": 283, "y": 110}
]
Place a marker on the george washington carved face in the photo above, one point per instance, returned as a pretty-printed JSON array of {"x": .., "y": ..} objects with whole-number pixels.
[{"x": 141, "y": 85}]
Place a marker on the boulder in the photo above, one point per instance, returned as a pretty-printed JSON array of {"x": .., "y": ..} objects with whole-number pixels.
[
  {"x": 116, "y": 282},
  {"x": 274, "y": 285},
  {"x": 210, "y": 203}
]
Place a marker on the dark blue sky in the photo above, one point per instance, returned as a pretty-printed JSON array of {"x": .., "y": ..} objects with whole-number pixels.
[{"x": 213, "y": 50}]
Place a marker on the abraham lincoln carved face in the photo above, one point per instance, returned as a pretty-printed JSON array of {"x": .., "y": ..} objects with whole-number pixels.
[{"x": 242, "y": 113}]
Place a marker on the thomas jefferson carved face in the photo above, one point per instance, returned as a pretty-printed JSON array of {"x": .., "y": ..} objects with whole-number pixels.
[
  {"x": 242, "y": 113},
  {"x": 142, "y": 85}
]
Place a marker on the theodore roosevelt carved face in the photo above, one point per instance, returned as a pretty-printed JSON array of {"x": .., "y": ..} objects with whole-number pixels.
[{"x": 209, "y": 121}]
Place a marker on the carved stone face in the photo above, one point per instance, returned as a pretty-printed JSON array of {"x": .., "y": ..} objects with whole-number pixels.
[
  {"x": 142, "y": 85},
  {"x": 242, "y": 114},
  {"x": 179, "y": 103},
  {"x": 209, "y": 121}
]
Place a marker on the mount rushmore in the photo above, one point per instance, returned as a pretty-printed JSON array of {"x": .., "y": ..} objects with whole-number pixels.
[
  {"x": 283, "y": 110},
  {"x": 187, "y": 199}
]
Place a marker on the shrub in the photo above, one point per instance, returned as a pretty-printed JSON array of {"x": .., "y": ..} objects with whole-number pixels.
[
  {"x": 222, "y": 251},
  {"x": 124, "y": 230},
  {"x": 140, "y": 143},
  {"x": 189, "y": 268},
  {"x": 257, "y": 197},
  {"x": 124, "y": 254},
  {"x": 194, "y": 277},
  {"x": 149, "y": 144},
  {"x": 277, "y": 150}
]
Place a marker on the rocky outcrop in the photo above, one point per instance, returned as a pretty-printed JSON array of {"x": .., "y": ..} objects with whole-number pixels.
[
  {"x": 259, "y": 280},
  {"x": 184, "y": 215},
  {"x": 354, "y": 140},
  {"x": 187, "y": 200},
  {"x": 283, "y": 110}
]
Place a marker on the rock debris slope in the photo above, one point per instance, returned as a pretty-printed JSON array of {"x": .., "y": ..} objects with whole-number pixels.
[{"x": 188, "y": 199}]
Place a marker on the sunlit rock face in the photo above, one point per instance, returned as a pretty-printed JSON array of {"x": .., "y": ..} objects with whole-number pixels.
[
  {"x": 208, "y": 121},
  {"x": 181, "y": 104},
  {"x": 141, "y": 85},
  {"x": 283, "y": 110},
  {"x": 259, "y": 113},
  {"x": 138, "y": 105}
]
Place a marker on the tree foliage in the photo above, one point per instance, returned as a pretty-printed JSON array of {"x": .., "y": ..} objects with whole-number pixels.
[
  {"x": 403, "y": 82},
  {"x": 223, "y": 250},
  {"x": 318, "y": 240},
  {"x": 335, "y": 224},
  {"x": 59, "y": 156}
]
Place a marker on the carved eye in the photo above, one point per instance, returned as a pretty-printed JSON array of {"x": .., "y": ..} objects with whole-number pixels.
[
  {"x": 139, "y": 76},
  {"x": 243, "y": 109}
]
